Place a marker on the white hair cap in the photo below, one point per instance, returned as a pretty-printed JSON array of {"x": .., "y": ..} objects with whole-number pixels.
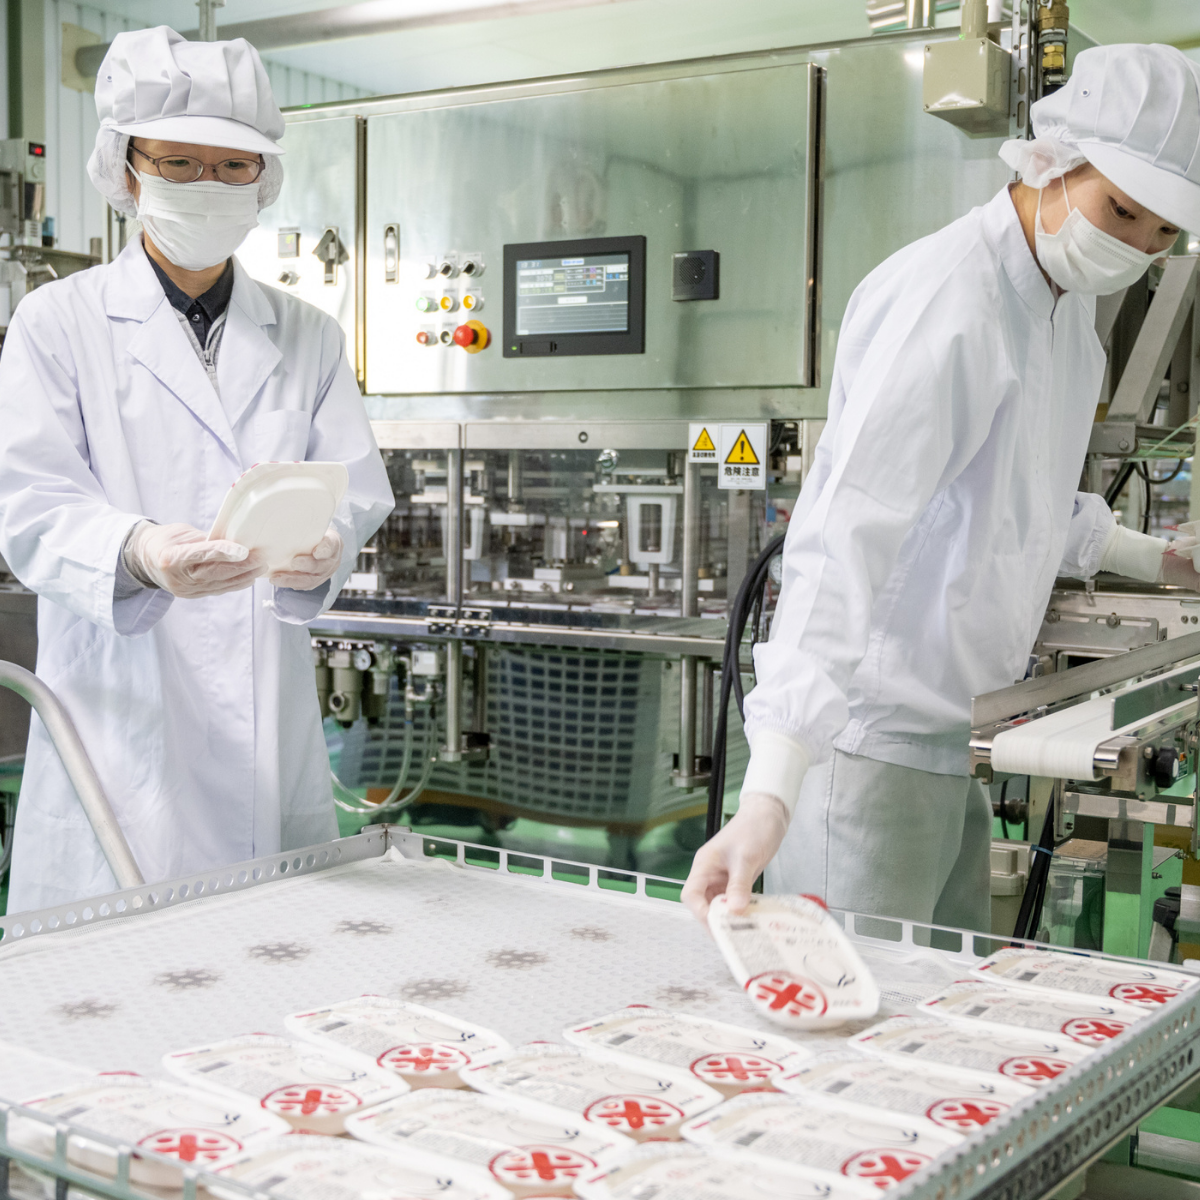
[
  {"x": 1133, "y": 112},
  {"x": 155, "y": 84}
]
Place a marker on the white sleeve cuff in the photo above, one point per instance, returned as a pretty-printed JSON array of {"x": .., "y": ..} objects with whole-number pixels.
[
  {"x": 1134, "y": 555},
  {"x": 777, "y": 766}
]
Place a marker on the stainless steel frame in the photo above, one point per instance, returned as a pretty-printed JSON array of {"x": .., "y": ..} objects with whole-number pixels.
[{"x": 1045, "y": 1140}]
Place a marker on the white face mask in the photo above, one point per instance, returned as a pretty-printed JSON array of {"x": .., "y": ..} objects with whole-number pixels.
[
  {"x": 196, "y": 225},
  {"x": 1082, "y": 258}
]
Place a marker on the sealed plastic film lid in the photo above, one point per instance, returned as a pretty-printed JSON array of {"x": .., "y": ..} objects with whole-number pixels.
[
  {"x": 725, "y": 1057},
  {"x": 25, "y": 1073},
  {"x": 817, "y": 1134},
  {"x": 1081, "y": 1018},
  {"x": 311, "y": 1088},
  {"x": 635, "y": 1097},
  {"x": 669, "y": 1171},
  {"x": 282, "y": 509},
  {"x": 528, "y": 1149},
  {"x": 1026, "y": 1057},
  {"x": 425, "y": 1047},
  {"x": 959, "y": 1101},
  {"x": 195, "y": 1127},
  {"x": 794, "y": 962},
  {"x": 1130, "y": 983},
  {"x": 306, "y": 1167}
]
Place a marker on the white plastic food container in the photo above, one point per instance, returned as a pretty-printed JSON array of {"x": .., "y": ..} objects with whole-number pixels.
[
  {"x": 425, "y": 1048},
  {"x": 667, "y": 1171},
  {"x": 818, "y": 1135},
  {"x": 282, "y": 509},
  {"x": 313, "y": 1089},
  {"x": 303, "y": 1167},
  {"x": 794, "y": 962},
  {"x": 1091, "y": 1022},
  {"x": 726, "y": 1057},
  {"x": 530, "y": 1150},
  {"x": 1130, "y": 983},
  {"x": 1027, "y": 1058},
  {"x": 643, "y": 1100},
  {"x": 197, "y": 1128},
  {"x": 955, "y": 1100}
]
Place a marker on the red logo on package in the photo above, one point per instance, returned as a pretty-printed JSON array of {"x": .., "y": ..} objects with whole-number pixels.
[
  {"x": 964, "y": 1115},
  {"x": 1093, "y": 1030},
  {"x": 191, "y": 1145},
  {"x": 788, "y": 994},
  {"x": 308, "y": 1099},
  {"x": 884, "y": 1167},
  {"x": 1144, "y": 993},
  {"x": 1028, "y": 1067},
  {"x": 748, "y": 1069},
  {"x": 632, "y": 1113},
  {"x": 423, "y": 1058},
  {"x": 533, "y": 1165}
]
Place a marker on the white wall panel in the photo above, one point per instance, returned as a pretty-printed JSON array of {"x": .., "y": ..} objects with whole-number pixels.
[{"x": 71, "y": 124}]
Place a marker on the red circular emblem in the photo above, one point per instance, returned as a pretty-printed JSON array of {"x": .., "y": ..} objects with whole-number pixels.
[
  {"x": 787, "y": 995},
  {"x": 631, "y": 1113},
  {"x": 964, "y": 1115},
  {"x": 1144, "y": 993},
  {"x": 191, "y": 1145},
  {"x": 309, "y": 1099},
  {"x": 1095, "y": 1031},
  {"x": 884, "y": 1167},
  {"x": 424, "y": 1058},
  {"x": 739, "y": 1069},
  {"x": 1029, "y": 1067},
  {"x": 531, "y": 1166}
]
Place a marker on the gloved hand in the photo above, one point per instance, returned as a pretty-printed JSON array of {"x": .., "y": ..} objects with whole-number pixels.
[
  {"x": 1179, "y": 570},
  {"x": 735, "y": 858},
  {"x": 185, "y": 562},
  {"x": 307, "y": 571}
]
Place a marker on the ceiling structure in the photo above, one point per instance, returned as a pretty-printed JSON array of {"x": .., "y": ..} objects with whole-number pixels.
[{"x": 452, "y": 43}]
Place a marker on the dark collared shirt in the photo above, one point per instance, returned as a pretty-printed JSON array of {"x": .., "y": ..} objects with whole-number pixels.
[{"x": 203, "y": 311}]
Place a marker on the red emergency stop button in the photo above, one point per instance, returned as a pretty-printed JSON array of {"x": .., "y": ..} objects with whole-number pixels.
[{"x": 472, "y": 337}]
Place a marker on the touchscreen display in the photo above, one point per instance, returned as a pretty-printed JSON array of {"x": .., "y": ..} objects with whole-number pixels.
[{"x": 586, "y": 294}]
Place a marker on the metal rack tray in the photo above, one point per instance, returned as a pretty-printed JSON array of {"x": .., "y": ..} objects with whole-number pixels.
[{"x": 523, "y": 943}]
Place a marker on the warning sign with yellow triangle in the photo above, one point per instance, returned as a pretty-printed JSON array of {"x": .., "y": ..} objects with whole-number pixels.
[
  {"x": 703, "y": 442},
  {"x": 701, "y": 445},
  {"x": 742, "y": 451}
]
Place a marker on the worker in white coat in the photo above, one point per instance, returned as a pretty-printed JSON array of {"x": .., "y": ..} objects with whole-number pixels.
[
  {"x": 942, "y": 503},
  {"x": 132, "y": 396}
]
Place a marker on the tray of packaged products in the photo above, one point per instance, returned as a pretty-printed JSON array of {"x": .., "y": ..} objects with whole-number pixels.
[{"x": 529, "y": 947}]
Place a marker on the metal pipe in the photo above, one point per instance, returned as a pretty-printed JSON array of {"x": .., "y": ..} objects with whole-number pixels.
[
  {"x": 79, "y": 770},
  {"x": 452, "y": 751},
  {"x": 479, "y": 689},
  {"x": 688, "y": 596},
  {"x": 454, "y": 527},
  {"x": 208, "y": 19},
  {"x": 368, "y": 19},
  {"x": 920, "y": 14},
  {"x": 687, "y": 717},
  {"x": 516, "y": 477},
  {"x": 710, "y": 671}
]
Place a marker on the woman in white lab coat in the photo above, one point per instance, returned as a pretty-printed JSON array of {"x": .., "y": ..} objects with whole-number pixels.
[
  {"x": 942, "y": 503},
  {"x": 187, "y": 673}
]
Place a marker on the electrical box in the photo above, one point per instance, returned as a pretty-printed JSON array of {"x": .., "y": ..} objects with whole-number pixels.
[{"x": 966, "y": 82}]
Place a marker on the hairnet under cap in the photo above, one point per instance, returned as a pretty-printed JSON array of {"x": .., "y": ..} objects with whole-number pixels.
[
  {"x": 1133, "y": 112},
  {"x": 155, "y": 84}
]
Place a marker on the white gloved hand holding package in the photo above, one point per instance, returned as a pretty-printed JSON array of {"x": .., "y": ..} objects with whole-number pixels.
[
  {"x": 187, "y": 563},
  {"x": 307, "y": 571},
  {"x": 1154, "y": 559}
]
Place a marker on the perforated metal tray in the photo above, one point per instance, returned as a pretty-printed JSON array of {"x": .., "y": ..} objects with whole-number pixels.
[{"x": 569, "y": 940}]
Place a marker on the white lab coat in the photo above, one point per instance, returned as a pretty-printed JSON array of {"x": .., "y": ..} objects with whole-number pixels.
[
  {"x": 200, "y": 716},
  {"x": 941, "y": 505}
]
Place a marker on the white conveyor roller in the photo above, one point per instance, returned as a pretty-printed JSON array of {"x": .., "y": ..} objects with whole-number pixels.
[{"x": 1061, "y": 745}]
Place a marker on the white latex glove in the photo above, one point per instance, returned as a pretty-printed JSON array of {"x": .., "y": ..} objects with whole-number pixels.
[
  {"x": 1132, "y": 554},
  {"x": 307, "y": 571},
  {"x": 736, "y": 857},
  {"x": 1179, "y": 570},
  {"x": 185, "y": 562}
]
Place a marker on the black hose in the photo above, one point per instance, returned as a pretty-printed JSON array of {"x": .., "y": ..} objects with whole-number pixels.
[
  {"x": 748, "y": 598},
  {"x": 1173, "y": 475},
  {"x": 1003, "y": 819},
  {"x": 1030, "y": 915},
  {"x": 1118, "y": 484},
  {"x": 1145, "y": 474}
]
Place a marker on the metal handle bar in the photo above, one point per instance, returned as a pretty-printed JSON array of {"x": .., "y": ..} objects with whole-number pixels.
[{"x": 79, "y": 770}]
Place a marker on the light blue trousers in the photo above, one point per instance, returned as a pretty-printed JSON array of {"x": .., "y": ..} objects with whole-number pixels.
[{"x": 890, "y": 841}]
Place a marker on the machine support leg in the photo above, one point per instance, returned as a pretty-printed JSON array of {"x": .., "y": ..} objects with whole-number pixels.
[
  {"x": 1128, "y": 908},
  {"x": 454, "y": 529},
  {"x": 686, "y": 773},
  {"x": 688, "y": 600}
]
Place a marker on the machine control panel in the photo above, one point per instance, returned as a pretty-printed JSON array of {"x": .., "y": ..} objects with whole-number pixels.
[{"x": 449, "y": 283}]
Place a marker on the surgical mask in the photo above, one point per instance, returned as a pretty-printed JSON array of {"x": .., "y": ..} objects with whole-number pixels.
[
  {"x": 196, "y": 225},
  {"x": 1082, "y": 258}
]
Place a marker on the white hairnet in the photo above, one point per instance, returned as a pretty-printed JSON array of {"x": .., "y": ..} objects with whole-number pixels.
[
  {"x": 107, "y": 170},
  {"x": 1039, "y": 160},
  {"x": 154, "y": 83}
]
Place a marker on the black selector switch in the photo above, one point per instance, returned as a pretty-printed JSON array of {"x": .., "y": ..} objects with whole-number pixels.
[{"x": 696, "y": 275}]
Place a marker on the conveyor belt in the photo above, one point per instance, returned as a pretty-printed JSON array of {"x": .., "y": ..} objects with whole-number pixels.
[{"x": 526, "y": 955}]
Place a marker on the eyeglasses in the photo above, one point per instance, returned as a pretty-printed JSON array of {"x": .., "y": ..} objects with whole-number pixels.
[{"x": 179, "y": 168}]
